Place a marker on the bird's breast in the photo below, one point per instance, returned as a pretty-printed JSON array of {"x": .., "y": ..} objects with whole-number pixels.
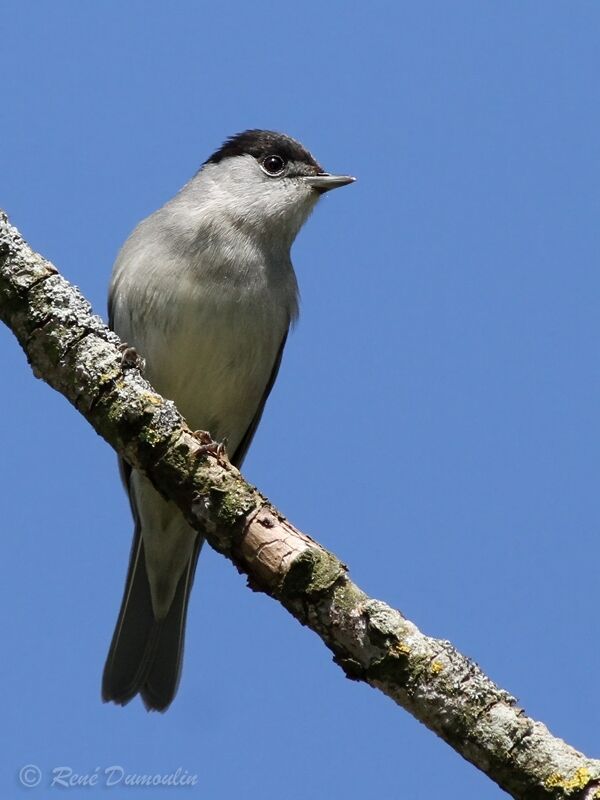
[{"x": 209, "y": 346}]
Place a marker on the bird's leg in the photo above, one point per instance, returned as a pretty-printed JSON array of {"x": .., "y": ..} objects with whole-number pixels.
[
  {"x": 130, "y": 357},
  {"x": 209, "y": 446}
]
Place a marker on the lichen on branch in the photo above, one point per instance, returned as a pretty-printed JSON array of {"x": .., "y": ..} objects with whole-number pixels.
[{"x": 72, "y": 350}]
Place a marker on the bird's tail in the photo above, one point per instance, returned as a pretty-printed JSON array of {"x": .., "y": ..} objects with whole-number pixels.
[{"x": 146, "y": 653}]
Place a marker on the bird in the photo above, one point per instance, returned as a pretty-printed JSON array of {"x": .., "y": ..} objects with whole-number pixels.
[{"x": 205, "y": 292}]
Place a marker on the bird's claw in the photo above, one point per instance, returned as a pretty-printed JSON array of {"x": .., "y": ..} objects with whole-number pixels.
[
  {"x": 208, "y": 446},
  {"x": 130, "y": 357}
]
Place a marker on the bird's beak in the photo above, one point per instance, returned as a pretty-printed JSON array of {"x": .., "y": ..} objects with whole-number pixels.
[{"x": 324, "y": 182}]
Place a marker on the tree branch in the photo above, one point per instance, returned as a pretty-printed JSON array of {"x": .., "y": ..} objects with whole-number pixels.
[{"x": 75, "y": 353}]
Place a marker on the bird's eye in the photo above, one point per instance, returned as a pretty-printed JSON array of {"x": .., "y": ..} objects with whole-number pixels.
[{"x": 273, "y": 165}]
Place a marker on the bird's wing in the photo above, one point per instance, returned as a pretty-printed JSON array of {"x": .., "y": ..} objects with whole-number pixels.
[
  {"x": 111, "y": 311},
  {"x": 242, "y": 448}
]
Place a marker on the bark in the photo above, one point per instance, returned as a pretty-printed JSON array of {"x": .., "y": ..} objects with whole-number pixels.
[{"x": 73, "y": 351}]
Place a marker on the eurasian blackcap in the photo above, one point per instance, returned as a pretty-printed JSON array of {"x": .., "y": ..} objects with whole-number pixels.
[{"x": 204, "y": 290}]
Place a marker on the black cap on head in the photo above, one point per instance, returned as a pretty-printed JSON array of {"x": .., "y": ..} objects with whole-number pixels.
[{"x": 259, "y": 144}]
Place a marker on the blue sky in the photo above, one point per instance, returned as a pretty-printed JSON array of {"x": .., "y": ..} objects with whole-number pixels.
[{"x": 435, "y": 422}]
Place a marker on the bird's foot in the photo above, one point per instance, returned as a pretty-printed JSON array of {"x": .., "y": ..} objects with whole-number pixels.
[
  {"x": 208, "y": 446},
  {"x": 130, "y": 357}
]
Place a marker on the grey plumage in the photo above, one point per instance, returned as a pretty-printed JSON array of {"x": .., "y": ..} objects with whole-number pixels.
[{"x": 205, "y": 290}]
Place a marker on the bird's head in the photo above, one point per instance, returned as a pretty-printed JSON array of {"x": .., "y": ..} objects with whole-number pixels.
[{"x": 266, "y": 182}]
